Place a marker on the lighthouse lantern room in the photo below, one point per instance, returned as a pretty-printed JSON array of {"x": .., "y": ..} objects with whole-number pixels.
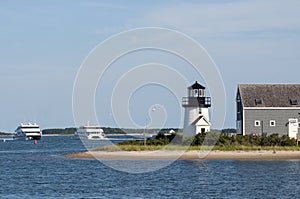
[{"x": 196, "y": 115}]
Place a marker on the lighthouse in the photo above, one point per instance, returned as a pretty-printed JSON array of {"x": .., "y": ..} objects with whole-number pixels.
[{"x": 196, "y": 115}]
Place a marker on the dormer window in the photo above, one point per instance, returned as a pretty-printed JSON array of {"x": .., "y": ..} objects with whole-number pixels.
[
  {"x": 294, "y": 102},
  {"x": 258, "y": 101}
]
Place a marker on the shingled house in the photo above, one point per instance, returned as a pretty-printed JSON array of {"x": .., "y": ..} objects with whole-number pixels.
[{"x": 265, "y": 109}]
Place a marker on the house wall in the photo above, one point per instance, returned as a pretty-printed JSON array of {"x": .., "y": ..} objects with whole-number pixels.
[
  {"x": 239, "y": 114},
  {"x": 281, "y": 117}
]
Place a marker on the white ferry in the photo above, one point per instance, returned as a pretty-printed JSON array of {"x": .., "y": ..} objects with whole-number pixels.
[
  {"x": 29, "y": 131},
  {"x": 90, "y": 132}
]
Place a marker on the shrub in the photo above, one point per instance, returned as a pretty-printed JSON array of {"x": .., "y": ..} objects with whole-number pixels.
[{"x": 222, "y": 140}]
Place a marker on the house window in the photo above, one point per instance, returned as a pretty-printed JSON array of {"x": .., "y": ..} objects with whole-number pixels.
[
  {"x": 294, "y": 102},
  {"x": 238, "y": 99},
  {"x": 256, "y": 123},
  {"x": 272, "y": 123}
]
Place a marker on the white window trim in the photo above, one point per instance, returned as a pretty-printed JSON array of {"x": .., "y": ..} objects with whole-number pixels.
[
  {"x": 257, "y": 123},
  {"x": 271, "y": 121}
]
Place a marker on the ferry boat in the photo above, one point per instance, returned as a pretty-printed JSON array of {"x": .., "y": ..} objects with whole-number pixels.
[
  {"x": 28, "y": 131},
  {"x": 90, "y": 132}
]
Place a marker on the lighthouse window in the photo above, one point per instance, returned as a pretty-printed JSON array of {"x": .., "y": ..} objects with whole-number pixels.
[{"x": 196, "y": 93}]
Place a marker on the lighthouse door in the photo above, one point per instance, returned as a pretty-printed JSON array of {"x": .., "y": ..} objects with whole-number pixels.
[
  {"x": 202, "y": 130},
  {"x": 293, "y": 128}
]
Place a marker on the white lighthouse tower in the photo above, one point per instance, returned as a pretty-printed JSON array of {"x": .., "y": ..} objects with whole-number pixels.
[{"x": 196, "y": 116}]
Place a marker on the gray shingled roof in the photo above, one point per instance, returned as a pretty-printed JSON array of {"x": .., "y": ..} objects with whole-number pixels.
[{"x": 272, "y": 95}]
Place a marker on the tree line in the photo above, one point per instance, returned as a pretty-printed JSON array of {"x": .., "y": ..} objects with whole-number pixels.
[
  {"x": 217, "y": 139},
  {"x": 109, "y": 130}
]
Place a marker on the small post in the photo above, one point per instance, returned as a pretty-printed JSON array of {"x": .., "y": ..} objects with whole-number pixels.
[
  {"x": 262, "y": 127},
  {"x": 145, "y": 133}
]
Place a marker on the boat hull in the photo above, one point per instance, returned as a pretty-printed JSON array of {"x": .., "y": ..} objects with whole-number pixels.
[
  {"x": 90, "y": 137},
  {"x": 24, "y": 137}
]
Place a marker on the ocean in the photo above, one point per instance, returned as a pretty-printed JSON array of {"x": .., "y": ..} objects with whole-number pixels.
[{"x": 42, "y": 171}]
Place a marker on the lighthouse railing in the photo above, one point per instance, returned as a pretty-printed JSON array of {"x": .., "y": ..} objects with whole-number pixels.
[{"x": 196, "y": 101}]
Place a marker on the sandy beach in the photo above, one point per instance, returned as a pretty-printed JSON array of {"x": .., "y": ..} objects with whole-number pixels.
[{"x": 190, "y": 155}]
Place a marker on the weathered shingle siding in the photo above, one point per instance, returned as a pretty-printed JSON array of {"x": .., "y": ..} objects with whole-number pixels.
[{"x": 280, "y": 116}]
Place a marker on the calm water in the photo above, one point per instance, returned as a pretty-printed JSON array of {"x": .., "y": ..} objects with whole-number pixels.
[{"x": 41, "y": 171}]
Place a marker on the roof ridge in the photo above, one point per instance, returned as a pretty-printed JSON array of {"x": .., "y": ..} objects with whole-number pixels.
[{"x": 270, "y": 84}]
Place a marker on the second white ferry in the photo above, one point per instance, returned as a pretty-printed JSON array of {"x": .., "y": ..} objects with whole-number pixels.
[{"x": 90, "y": 132}]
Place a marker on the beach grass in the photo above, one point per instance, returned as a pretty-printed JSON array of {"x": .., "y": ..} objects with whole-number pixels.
[
  {"x": 113, "y": 148},
  {"x": 209, "y": 141}
]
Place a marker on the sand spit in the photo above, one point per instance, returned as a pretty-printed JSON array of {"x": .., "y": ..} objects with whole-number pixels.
[{"x": 189, "y": 155}]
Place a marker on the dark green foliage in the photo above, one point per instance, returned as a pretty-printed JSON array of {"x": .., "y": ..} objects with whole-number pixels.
[
  {"x": 4, "y": 133},
  {"x": 174, "y": 138},
  {"x": 160, "y": 135},
  {"x": 132, "y": 142},
  {"x": 158, "y": 142},
  {"x": 211, "y": 138},
  {"x": 217, "y": 139},
  {"x": 274, "y": 140},
  {"x": 107, "y": 130},
  {"x": 160, "y": 139},
  {"x": 229, "y": 130},
  {"x": 254, "y": 140},
  {"x": 59, "y": 131},
  {"x": 286, "y": 141},
  {"x": 223, "y": 141},
  {"x": 199, "y": 139}
]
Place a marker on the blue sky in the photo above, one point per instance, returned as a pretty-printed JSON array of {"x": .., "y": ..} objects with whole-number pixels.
[{"x": 43, "y": 44}]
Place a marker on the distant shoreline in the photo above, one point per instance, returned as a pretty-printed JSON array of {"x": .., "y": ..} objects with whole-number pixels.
[
  {"x": 115, "y": 135},
  {"x": 189, "y": 155},
  {"x": 54, "y": 135}
]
